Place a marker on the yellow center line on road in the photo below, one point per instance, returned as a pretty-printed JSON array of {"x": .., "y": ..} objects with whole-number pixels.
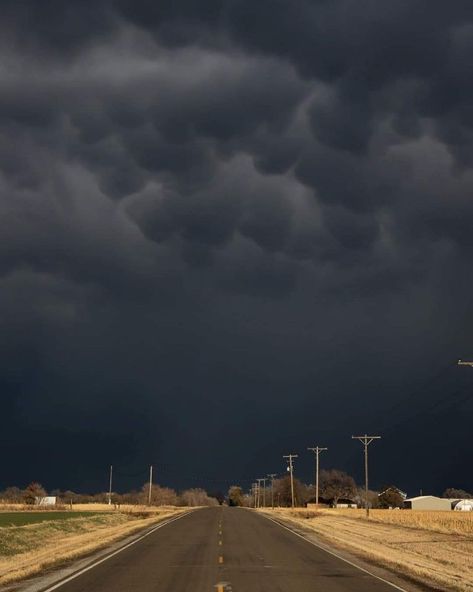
[
  {"x": 220, "y": 588},
  {"x": 219, "y": 543},
  {"x": 220, "y": 559}
]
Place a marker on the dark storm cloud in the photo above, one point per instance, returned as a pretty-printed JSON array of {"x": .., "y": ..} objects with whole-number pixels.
[{"x": 204, "y": 208}]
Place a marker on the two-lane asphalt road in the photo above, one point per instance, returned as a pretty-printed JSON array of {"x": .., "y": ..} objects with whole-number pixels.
[{"x": 228, "y": 550}]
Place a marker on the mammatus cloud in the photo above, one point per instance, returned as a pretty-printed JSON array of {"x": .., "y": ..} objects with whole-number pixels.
[{"x": 201, "y": 206}]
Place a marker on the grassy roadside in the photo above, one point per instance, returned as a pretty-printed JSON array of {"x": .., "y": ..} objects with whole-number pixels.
[
  {"x": 25, "y": 518},
  {"x": 430, "y": 554},
  {"x": 31, "y": 547}
]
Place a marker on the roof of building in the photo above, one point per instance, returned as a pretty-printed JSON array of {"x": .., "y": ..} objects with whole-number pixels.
[
  {"x": 402, "y": 493},
  {"x": 421, "y": 497}
]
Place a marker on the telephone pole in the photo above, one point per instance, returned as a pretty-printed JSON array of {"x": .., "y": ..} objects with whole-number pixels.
[
  {"x": 366, "y": 441},
  {"x": 254, "y": 487},
  {"x": 271, "y": 476},
  {"x": 110, "y": 486},
  {"x": 290, "y": 458},
  {"x": 264, "y": 491},
  {"x": 259, "y": 492},
  {"x": 150, "y": 484},
  {"x": 317, "y": 450}
]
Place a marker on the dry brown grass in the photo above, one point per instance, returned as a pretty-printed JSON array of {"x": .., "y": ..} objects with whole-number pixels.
[
  {"x": 8, "y": 507},
  {"x": 436, "y": 521},
  {"x": 4, "y": 507},
  {"x": 26, "y": 550},
  {"x": 433, "y": 547}
]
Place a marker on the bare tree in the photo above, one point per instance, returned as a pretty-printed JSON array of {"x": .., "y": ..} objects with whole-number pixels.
[
  {"x": 282, "y": 492},
  {"x": 34, "y": 491},
  {"x": 235, "y": 496},
  {"x": 197, "y": 497},
  {"x": 453, "y": 493},
  {"x": 160, "y": 496},
  {"x": 12, "y": 495},
  {"x": 335, "y": 484}
]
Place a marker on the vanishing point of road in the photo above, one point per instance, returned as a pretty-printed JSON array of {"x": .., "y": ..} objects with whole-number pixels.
[{"x": 225, "y": 550}]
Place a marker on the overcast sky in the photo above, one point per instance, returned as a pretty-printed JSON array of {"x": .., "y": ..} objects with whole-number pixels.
[{"x": 231, "y": 230}]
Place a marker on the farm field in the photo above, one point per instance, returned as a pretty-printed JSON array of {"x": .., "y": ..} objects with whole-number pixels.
[
  {"x": 436, "y": 521},
  {"x": 23, "y": 518},
  {"x": 33, "y": 541},
  {"x": 431, "y": 547}
]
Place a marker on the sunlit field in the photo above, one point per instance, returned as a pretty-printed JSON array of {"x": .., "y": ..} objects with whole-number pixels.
[
  {"x": 30, "y": 540},
  {"x": 433, "y": 547},
  {"x": 437, "y": 521}
]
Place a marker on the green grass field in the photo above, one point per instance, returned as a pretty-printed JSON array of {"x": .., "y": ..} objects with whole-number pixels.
[{"x": 25, "y": 518}]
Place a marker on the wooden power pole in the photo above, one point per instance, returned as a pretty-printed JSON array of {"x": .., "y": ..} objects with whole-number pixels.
[
  {"x": 317, "y": 450},
  {"x": 290, "y": 458},
  {"x": 110, "y": 486},
  {"x": 150, "y": 484},
  {"x": 271, "y": 476},
  {"x": 366, "y": 441}
]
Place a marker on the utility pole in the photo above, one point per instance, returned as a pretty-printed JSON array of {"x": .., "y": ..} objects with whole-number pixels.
[
  {"x": 366, "y": 441},
  {"x": 264, "y": 491},
  {"x": 271, "y": 476},
  {"x": 110, "y": 486},
  {"x": 150, "y": 484},
  {"x": 290, "y": 458},
  {"x": 259, "y": 492},
  {"x": 254, "y": 488},
  {"x": 317, "y": 450}
]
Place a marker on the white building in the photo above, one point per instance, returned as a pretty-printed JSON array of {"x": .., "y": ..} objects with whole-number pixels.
[
  {"x": 463, "y": 505},
  {"x": 48, "y": 500},
  {"x": 427, "y": 502}
]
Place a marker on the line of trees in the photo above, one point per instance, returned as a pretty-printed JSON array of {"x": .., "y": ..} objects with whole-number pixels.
[
  {"x": 334, "y": 486},
  {"x": 160, "y": 496}
]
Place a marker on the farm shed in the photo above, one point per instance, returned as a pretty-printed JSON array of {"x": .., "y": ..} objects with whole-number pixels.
[
  {"x": 463, "y": 505},
  {"x": 48, "y": 500},
  {"x": 427, "y": 502}
]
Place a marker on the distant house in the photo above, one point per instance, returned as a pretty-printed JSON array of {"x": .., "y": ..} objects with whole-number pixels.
[
  {"x": 462, "y": 505},
  {"x": 342, "y": 503},
  {"x": 427, "y": 502},
  {"x": 345, "y": 503},
  {"x": 48, "y": 500}
]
